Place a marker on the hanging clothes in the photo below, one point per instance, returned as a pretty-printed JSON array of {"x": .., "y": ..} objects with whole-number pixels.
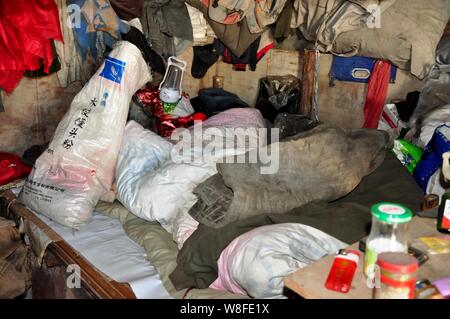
[
  {"x": 376, "y": 93},
  {"x": 255, "y": 52},
  {"x": 98, "y": 27},
  {"x": 27, "y": 29}
]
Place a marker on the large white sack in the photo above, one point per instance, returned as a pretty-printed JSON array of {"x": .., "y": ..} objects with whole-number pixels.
[
  {"x": 165, "y": 193},
  {"x": 142, "y": 153},
  {"x": 256, "y": 262},
  {"x": 78, "y": 167}
]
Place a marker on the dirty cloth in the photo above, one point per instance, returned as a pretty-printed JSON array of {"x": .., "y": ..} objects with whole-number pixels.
[
  {"x": 322, "y": 21},
  {"x": 409, "y": 45},
  {"x": 376, "y": 93},
  {"x": 322, "y": 164},
  {"x": 72, "y": 66},
  {"x": 347, "y": 219},
  {"x": 259, "y": 14},
  {"x": 26, "y": 33},
  {"x": 236, "y": 37},
  {"x": 443, "y": 51},
  {"x": 201, "y": 30},
  {"x": 127, "y": 9},
  {"x": 164, "y": 20},
  {"x": 282, "y": 27},
  {"x": 432, "y": 109},
  {"x": 97, "y": 27},
  {"x": 255, "y": 52},
  {"x": 15, "y": 262}
]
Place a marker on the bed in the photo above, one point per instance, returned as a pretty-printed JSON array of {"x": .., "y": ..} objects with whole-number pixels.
[{"x": 116, "y": 235}]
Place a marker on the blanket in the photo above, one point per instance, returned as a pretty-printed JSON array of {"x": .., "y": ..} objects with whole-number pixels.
[
  {"x": 347, "y": 219},
  {"x": 322, "y": 164}
]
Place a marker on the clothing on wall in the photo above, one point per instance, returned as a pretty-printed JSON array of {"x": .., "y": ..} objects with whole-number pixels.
[
  {"x": 97, "y": 27},
  {"x": 236, "y": 37},
  {"x": 128, "y": 9},
  {"x": 259, "y": 14},
  {"x": 376, "y": 94},
  {"x": 152, "y": 58},
  {"x": 26, "y": 31},
  {"x": 254, "y": 53},
  {"x": 163, "y": 21},
  {"x": 72, "y": 67},
  {"x": 202, "y": 32}
]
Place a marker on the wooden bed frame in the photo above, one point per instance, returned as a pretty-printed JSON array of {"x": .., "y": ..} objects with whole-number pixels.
[{"x": 49, "y": 281}]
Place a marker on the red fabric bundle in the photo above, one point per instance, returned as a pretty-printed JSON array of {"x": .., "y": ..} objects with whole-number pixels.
[
  {"x": 376, "y": 93},
  {"x": 12, "y": 168},
  {"x": 26, "y": 30},
  {"x": 165, "y": 123}
]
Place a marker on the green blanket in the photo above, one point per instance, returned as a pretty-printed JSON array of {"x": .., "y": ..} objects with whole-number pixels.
[{"x": 347, "y": 219}]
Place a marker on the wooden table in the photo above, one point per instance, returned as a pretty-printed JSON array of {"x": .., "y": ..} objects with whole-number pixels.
[{"x": 309, "y": 282}]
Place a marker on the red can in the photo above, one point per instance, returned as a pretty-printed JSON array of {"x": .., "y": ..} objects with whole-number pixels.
[
  {"x": 343, "y": 270},
  {"x": 398, "y": 272}
]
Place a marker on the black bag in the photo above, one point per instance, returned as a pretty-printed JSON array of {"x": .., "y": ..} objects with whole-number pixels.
[{"x": 278, "y": 94}]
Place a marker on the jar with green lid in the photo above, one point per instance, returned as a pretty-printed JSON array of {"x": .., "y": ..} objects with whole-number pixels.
[{"x": 389, "y": 233}]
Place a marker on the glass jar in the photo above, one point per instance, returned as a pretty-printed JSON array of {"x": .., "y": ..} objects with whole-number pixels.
[
  {"x": 389, "y": 233},
  {"x": 398, "y": 273}
]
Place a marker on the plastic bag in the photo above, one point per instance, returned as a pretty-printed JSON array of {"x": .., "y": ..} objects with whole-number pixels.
[
  {"x": 278, "y": 94},
  {"x": 78, "y": 167},
  {"x": 432, "y": 157},
  {"x": 407, "y": 153}
]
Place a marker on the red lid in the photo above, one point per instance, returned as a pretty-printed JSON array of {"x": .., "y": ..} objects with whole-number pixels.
[
  {"x": 398, "y": 262},
  {"x": 199, "y": 116}
]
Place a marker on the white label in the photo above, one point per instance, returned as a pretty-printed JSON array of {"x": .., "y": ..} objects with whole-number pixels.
[
  {"x": 447, "y": 209},
  {"x": 391, "y": 209}
]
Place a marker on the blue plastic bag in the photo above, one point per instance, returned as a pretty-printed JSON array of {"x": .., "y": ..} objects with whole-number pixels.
[{"x": 431, "y": 159}]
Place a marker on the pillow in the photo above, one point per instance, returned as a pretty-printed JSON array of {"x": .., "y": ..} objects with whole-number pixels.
[
  {"x": 156, "y": 183},
  {"x": 142, "y": 153},
  {"x": 256, "y": 262}
]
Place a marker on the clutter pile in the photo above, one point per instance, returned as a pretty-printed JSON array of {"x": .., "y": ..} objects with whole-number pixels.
[{"x": 224, "y": 195}]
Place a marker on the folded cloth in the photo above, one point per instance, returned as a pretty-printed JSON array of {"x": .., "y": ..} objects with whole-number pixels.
[
  {"x": 348, "y": 219},
  {"x": 322, "y": 164}
]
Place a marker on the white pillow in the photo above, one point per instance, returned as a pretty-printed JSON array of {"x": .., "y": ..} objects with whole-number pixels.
[
  {"x": 142, "y": 153},
  {"x": 256, "y": 262}
]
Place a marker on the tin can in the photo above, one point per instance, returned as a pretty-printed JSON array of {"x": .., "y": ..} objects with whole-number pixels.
[{"x": 398, "y": 273}]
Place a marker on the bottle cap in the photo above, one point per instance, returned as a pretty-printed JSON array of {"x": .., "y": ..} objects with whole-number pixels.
[
  {"x": 391, "y": 213},
  {"x": 398, "y": 262}
]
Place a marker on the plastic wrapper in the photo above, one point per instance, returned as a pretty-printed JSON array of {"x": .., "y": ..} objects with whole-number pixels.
[
  {"x": 278, "y": 94},
  {"x": 407, "y": 153},
  {"x": 431, "y": 160},
  {"x": 167, "y": 116},
  {"x": 78, "y": 166}
]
